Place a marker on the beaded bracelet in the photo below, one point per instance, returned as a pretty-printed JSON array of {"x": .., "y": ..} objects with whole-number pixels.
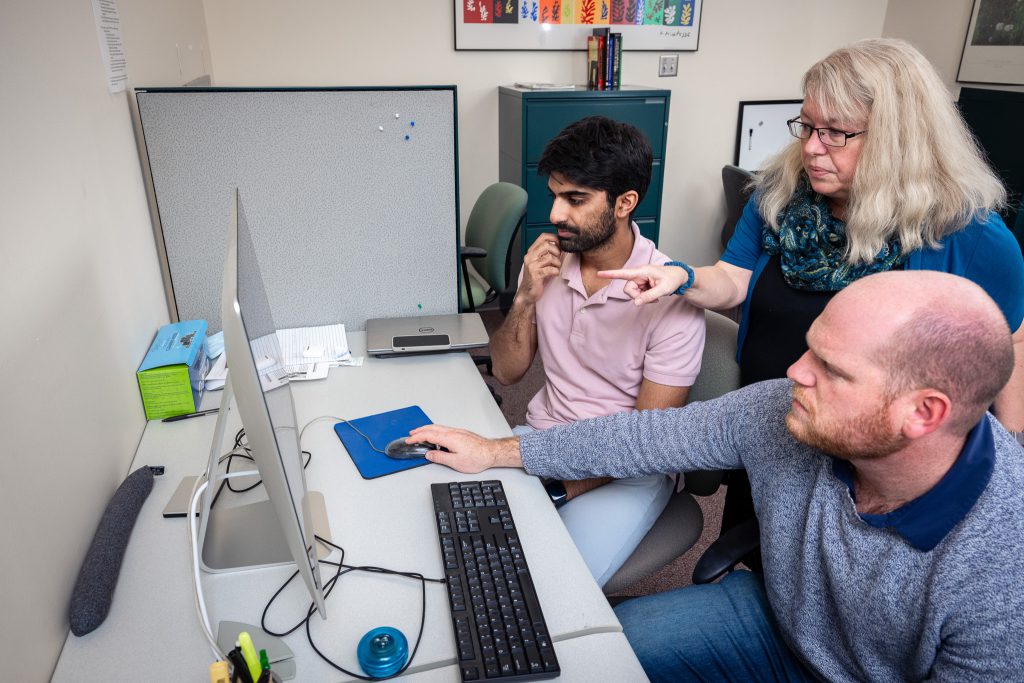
[{"x": 689, "y": 280}]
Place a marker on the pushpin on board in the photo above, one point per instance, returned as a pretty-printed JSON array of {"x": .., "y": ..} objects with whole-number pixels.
[{"x": 419, "y": 306}]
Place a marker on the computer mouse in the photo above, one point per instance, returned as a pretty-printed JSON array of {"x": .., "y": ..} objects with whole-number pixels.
[{"x": 400, "y": 450}]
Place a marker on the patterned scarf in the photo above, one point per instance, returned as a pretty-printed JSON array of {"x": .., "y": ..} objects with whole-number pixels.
[{"x": 811, "y": 244}]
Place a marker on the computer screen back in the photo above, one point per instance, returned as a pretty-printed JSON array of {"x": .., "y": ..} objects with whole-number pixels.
[{"x": 264, "y": 399}]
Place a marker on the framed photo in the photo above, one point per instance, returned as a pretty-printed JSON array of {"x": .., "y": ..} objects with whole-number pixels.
[
  {"x": 565, "y": 24},
  {"x": 994, "y": 45},
  {"x": 761, "y": 130}
]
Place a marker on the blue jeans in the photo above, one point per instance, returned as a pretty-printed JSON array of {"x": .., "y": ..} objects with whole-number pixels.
[{"x": 716, "y": 632}]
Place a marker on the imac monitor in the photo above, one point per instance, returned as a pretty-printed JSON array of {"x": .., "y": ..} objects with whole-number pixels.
[{"x": 282, "y": 528}]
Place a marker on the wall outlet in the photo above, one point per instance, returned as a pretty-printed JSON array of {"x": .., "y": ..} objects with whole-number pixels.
[{"x": 668, "y": 65}]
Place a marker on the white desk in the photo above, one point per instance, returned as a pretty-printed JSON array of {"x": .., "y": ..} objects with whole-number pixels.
[{"x": 152, "y": 632}]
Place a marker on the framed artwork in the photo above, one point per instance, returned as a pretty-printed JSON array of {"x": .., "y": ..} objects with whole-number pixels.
[
  {"x": 565, "y": 24},
  {"x": 762, "y": 130},
  {"x": 994, "y": 45}
]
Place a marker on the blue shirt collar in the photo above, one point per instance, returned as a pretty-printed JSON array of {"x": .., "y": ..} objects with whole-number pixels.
[{"x": 926, "y": 520}]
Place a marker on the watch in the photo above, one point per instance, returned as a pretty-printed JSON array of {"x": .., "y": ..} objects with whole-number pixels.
[{"x": 556, "y": 491}]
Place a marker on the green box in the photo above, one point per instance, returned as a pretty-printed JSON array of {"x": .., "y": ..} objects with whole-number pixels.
[{"x": 172, "y": 373}]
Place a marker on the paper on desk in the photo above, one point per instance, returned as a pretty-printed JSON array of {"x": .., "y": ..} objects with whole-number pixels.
[
  {"x": 304, "y": 346},
  {"x": 267, "y": 355},
  {"x": 300, "y": 373},
  {"x": 296, "y": 354},
  {"x": 218, "y": 373}
]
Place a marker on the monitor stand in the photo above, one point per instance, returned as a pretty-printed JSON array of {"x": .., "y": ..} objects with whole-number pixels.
[{"x": 248, "y": 536}]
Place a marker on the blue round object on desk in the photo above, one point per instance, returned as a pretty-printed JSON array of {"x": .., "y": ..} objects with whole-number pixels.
[{"x": 382, "y": 652}]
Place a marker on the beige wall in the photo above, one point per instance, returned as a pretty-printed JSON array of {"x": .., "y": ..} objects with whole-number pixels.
[
  {"x": 748, "y": 50},
  {"x": 937, "y": 28},
  {"x": 81, "y": 299}
]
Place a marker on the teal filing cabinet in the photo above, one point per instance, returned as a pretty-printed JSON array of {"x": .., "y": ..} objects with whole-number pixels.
[{"x": 527, "y": 119}]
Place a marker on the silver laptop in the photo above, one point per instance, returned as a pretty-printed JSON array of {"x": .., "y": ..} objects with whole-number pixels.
[{"x": 424, "y": 334}]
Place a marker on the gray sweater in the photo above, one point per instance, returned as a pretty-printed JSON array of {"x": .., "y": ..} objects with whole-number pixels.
[{"x": 853, "y": 601}]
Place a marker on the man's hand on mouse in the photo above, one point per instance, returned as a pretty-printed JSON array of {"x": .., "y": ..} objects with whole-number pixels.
[
  {"x": 468, "y": 452},
  {"x": 542, "y": 261}
]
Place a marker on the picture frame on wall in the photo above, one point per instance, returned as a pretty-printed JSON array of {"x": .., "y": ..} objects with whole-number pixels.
[
  {"x": 565, "y": 24},
  {"x": 761, "y": 130},
  {"x": 994, "y": 45}
]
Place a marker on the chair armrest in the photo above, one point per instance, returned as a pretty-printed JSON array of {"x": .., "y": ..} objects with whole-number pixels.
[
  {"x": 727, "y": 551},
  {"x": 471, "y": 252}
]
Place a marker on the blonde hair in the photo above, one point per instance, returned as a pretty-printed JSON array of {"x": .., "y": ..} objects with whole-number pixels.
[{"x": 921, "y": 174}]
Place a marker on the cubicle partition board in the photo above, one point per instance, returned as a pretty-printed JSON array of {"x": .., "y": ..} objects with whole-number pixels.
[{"x": 350, "y": 194}]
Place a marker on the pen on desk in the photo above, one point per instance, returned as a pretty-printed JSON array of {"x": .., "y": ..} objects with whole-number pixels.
[{"x": 186, "y": 416}]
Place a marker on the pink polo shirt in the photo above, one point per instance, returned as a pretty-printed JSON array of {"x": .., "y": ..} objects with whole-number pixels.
[{"x": 596, "y": 351}]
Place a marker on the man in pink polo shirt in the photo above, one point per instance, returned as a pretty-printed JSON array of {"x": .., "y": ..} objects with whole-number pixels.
[{"x": 602, "y": 354}]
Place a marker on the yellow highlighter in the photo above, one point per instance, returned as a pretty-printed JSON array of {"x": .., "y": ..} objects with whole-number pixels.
[{"x": 252, "y": 660}]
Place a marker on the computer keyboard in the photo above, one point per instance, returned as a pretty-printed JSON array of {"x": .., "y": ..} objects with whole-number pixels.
[{"x": 499, "y": 628}]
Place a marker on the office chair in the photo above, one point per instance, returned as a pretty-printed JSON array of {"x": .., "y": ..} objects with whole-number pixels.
[
  {"x": 490, "y": 233},
  {"x": 680, "y": 524},
  {"x": 738, "y": 188}
]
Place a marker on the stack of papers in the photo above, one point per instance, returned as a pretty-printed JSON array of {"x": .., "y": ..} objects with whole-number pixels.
[
  {"x": 304, "y": 345},
  {"x": 310, "y": 352},
  {"x": 545, "y": 86},
  {"x": 300, "y": 353}
]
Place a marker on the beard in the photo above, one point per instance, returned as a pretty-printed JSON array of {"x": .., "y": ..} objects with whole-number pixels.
[
  {"x": 865, "y": 437},
  {"x": 590, "y": 236}
]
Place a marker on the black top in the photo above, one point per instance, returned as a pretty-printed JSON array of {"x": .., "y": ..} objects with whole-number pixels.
[{"x": 779, "y": 319}]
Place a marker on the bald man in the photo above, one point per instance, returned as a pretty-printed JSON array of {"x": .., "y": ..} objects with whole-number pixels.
[{"x": 891, "y": 503}]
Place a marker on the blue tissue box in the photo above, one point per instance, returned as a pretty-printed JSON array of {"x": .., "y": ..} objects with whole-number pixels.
[{"x": 171, "y": 375}]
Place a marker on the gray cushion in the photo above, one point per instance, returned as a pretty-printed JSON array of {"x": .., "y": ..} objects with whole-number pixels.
[{"x": 674, "y": 532}]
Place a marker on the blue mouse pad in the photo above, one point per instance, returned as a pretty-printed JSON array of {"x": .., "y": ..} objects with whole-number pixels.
[{"x": 381, "y": 429}]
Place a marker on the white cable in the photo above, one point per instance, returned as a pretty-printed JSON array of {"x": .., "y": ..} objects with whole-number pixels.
[
  {"x": 198, "y": 488},
  {"x": 193, "y": 532},
  {"x": 318, "y": 419},
  {"x": 337, "y": 419}
]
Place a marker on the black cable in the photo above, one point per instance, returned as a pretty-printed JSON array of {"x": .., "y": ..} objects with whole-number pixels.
[
  {"x": 342, "y": 568},
  {"x": 328, "y": 587},
  {"x": 240, "y": 443}
]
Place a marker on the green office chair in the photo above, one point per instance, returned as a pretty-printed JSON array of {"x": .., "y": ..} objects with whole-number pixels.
[
  {"x": 490, "y": 234},
  {"x": 680, "y": 524}
]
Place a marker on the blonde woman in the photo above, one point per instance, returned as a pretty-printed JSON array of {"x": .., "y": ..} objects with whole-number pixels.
[{"x": 883, "y": 175}]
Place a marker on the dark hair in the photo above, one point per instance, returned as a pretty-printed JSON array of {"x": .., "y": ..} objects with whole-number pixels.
[{"x": 602, "y": 154}]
